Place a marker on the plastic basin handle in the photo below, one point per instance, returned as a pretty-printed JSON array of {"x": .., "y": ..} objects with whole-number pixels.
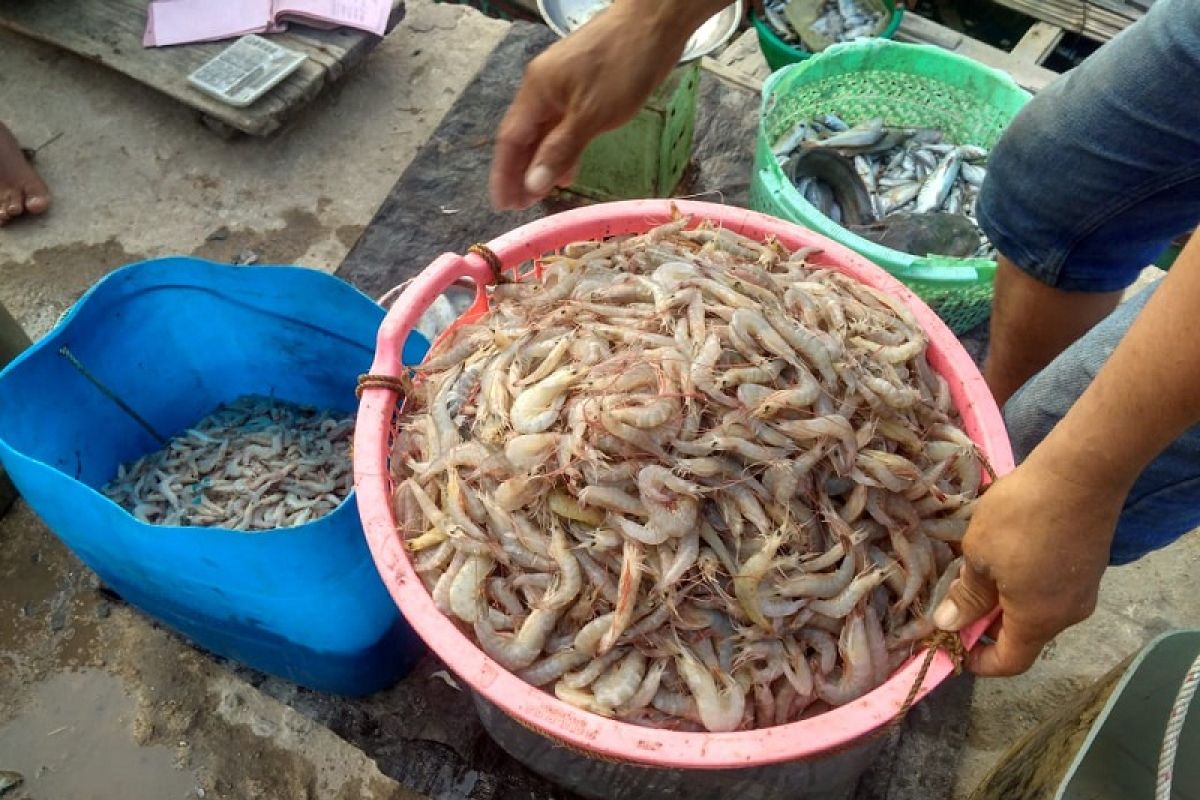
[{"x": 415, "y": 301}]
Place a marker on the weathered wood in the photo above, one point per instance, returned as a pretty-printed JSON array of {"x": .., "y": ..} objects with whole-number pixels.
[
  {"x": 1034, "y": 767},
  {"x": 1078, "y": 16},
  {"x": 732, "y": 75},
  {"x": 1038, "y": 43},
  {"x": 1029, "y": 75},
  {"x": 109, "y": 32}
]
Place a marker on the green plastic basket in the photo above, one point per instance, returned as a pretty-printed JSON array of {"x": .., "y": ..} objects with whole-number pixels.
[
  {"x": 905, "y": 84},
  {"x": 779, "y": 53}
]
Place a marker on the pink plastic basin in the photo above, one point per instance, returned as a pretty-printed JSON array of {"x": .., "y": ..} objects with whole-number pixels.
[{"x": 535, "y": 708}]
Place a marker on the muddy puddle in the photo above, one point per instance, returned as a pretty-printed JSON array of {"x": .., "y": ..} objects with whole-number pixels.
[{"x": 72, "y": 740}]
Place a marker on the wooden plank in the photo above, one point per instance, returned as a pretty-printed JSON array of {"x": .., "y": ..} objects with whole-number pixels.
[
  {"x": 1090, "y": 20},
  {"x": 732, "y": 75},
  {"x": 109, "y": 32},
  {"x": 745, "y": 55},
  {"x": 1038, "y": 43},
  {"x": 1031, "y": 76}
]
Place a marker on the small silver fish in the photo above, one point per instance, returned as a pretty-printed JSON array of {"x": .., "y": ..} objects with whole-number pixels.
[
  {"x": 899, "y": 196},
  {"x": 971, "y": 152},
  {"x": 864, "y": 135},
  {"x": 865, "y": 171},
  {"x": 791, "y": 140},
  {"x": 973, "y": 174},
  {"x": 927, "y": 136},
  {"x": 954, "y": 202},
  {"x": 938, "y": 184},
  {"x": 834, "y": 123},
  {"x": 926, "y": 158}
]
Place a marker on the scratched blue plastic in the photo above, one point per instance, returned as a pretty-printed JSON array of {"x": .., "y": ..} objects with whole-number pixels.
[{"x": 174, "y": 337}]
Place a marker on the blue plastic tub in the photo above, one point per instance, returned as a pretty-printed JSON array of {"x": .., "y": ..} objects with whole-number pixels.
[{"x": 174, "y": 337}]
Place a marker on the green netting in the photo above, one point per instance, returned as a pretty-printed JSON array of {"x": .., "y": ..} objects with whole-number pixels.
[{"x": 911, "y": 85}]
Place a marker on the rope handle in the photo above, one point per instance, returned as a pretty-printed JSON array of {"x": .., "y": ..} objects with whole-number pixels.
[
  {"x": 948, "y": 642},
  {"x": 400, "y": 384}
]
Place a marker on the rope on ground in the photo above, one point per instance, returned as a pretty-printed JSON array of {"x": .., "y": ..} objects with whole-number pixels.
[{"x": 1170, "y": 745}]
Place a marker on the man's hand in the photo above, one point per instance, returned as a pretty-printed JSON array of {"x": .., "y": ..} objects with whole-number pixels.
[
  {"x": 1037, "y": 547},
  {"x": 591, "y": 82},
  {"x": 1040, "y": 539}
]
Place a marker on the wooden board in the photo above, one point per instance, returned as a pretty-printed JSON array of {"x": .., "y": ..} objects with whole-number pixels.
[
  {"x": 1038, "y": 43},
  {"x": 109, "y": 32},
  {"x": 1028, "y": 74},
  {"x": 1087, "y": 17}
]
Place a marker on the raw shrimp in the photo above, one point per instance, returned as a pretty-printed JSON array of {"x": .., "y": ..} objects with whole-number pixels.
[
  {"x": 553, "y": 667},
  {"x": 593, "y": 669},
  {"x": 858, "y": 672},
  {"x": 535, "y": 409},
  {"x": 529, "y": 451},
  {"x": 719, "y": 709},
  {"x": 750, "y": 575},
  {"x": 840, "y": 605},
  {"x": 671, "y": 501},
  {"x": 580, "y": 698},
  {"x": 466, "y": 592},
  {"x": 627, "y": 592},
  {"x": 568, "y": 581},
  {"x": 583, "y": 488},
  {"x": 646, "y": 690},
  {"x": 515, "y": 652},
  {"x": 620, "y": 682}
]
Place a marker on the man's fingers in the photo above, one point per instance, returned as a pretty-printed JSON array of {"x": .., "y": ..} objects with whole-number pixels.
[
  {"x": 567, "y": 180},
  {"x": 971, "y": 596},
  {"x": 516, "y": 141},
  {"x": 1013, "y": 653},
  {"x": 556, "y": 158}
]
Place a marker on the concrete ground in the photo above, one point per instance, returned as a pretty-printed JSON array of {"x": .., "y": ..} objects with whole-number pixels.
[{"x": 97, "y": 702}]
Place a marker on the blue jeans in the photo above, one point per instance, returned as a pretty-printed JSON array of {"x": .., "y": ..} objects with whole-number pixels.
[{"x": 1090, "y": 184}]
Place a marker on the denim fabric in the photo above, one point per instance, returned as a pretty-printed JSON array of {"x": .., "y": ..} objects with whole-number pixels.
[
  {"x": 1101, "y": 170},
  {"x": 1165, "y": 501}
]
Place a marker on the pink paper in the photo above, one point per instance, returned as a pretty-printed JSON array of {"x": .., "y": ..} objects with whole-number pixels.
[
  {"x": 367, "y": 15},
  {"x": 180, "y": 21}
]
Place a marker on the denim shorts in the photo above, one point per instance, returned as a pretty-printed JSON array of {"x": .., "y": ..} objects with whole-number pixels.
[{"x": 1101, "y": 170}]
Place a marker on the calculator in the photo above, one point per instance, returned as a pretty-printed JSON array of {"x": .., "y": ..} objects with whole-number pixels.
[{"x": 246, "y": 70}]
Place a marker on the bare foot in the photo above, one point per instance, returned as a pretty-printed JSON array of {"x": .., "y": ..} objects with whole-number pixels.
[{"x": 21, "y": 190}]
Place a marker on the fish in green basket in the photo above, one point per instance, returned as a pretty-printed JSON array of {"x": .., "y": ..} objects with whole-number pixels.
[{"x": 871, "y": 170}]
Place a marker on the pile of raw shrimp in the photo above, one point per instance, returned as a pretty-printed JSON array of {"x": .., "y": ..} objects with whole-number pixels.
[
  {"x": 687, "y": 480},
  {"x": 255, "y": 464}
]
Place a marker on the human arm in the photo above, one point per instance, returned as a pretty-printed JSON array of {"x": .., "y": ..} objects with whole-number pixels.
[
  {"x": 1040, "y": 540},
  {"x": 591, "y": 82}
]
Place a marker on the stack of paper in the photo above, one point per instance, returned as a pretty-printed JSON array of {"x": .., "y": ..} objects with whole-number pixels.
[{"x": 181, "y": 21}]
